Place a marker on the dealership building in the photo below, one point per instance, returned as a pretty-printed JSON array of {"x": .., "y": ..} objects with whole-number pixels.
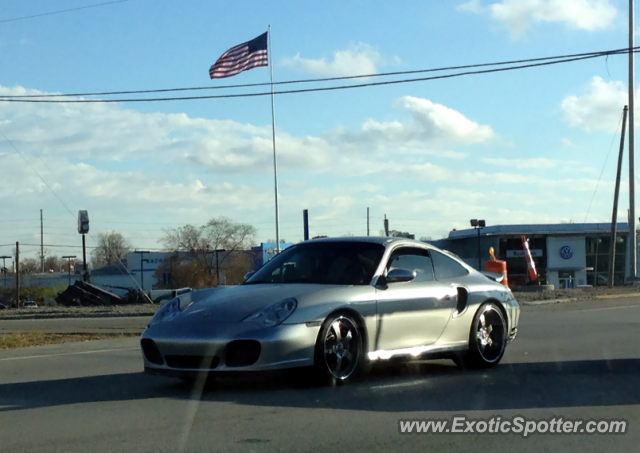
[{"x": 565, "y": 255}]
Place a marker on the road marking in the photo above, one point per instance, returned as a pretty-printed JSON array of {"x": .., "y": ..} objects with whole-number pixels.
[
  {"x": 610, "y": 308},
  {"x": 400, "y": 384},
  {"x": 67, "y": 353}
]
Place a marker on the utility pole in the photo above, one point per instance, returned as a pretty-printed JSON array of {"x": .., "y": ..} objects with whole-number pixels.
[
  {"x": 41, "y": 242},
  {"x": 386, "y": 226},
  {"x": 614, "y": 215},
  {"x": 367, "y": 221},
  {"x": 632, "y": 144},
  {"x": 17, "y": 274}
]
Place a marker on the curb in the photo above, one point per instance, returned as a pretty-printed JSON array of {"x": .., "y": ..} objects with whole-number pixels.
[
  {"x": 575, "y": 299},
  {"x": 77, "y": 316}
]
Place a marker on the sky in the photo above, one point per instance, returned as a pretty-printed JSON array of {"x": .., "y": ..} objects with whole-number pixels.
[{"x": 526, "y": 146}]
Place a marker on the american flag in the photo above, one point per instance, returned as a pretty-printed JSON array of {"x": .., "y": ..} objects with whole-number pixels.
[{"x": 245, "y": 56}]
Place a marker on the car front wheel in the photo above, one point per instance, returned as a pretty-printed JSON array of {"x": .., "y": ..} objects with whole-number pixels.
[
  {"x": 339, "y": 352},
  {"x": 487, "y": 339}
]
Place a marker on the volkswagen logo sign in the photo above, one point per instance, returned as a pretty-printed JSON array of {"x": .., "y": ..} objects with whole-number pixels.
[{"x": 566, "y": 252}]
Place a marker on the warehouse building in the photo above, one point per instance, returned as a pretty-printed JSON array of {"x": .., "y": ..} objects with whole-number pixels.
[{"x": 566, "y": 255}]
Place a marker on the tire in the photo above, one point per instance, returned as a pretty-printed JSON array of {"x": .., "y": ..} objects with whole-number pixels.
[
  {"x": 339, "y": 353},
  {"x": 487, "y": 338}
]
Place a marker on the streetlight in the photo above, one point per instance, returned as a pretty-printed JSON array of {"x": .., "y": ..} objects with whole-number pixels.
[
  {"x": 4, "y": 268},
  {"x": 478, "y": 225},
  {"x": 142, "y": 261},
  {"x": 69, "y": 258}
]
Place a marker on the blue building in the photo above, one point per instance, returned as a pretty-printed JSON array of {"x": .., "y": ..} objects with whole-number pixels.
[
  {"x": 265, "y": 252},
  {"x": 565, "y": 255}
]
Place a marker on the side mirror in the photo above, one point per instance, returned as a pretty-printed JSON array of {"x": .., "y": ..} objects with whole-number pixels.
[
  {"x": 248, "y": 275},
  {"x": 400, "y": 275}
]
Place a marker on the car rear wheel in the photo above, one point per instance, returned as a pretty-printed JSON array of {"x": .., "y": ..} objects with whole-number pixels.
[
  {"x": 487, "y": 339},
  {"x": 339, "y": 353}
]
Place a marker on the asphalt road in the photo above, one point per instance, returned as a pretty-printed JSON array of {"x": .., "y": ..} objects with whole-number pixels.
[{"x": 578, "y": 360}]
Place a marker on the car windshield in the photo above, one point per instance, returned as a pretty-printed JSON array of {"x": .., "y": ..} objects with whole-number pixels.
[{"x": 327, "y": 263}]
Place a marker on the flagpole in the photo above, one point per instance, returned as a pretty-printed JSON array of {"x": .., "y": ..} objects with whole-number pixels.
[{"x": 273, "y": 132}]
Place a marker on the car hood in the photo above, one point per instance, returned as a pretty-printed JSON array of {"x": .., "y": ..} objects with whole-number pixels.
[{"x": 234, "y": 303}]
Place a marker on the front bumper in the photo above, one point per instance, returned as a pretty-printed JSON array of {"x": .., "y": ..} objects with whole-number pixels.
[
  {"x": 513, "y": 315},
  {"x": 180, "y": 345}
]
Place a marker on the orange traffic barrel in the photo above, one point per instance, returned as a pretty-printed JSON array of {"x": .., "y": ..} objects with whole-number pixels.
[{"x": 497, "y": 267}]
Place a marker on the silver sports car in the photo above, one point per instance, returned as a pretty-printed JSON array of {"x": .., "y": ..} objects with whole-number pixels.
[{"x": 336, "y": 305}]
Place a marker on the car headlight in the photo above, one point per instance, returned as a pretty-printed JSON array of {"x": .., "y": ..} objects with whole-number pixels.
[
  {"x": 274, "y": 314},
  {"x": 167, "y": 312}
]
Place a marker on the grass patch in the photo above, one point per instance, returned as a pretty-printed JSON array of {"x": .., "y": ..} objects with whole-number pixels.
[{"x": 24, "y": 340}]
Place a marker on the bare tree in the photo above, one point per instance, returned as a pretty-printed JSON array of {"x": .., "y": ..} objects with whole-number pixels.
[
  {"x": 201, "y": 243},
  {"x": 112, "y": 247},
  {"x": 29, "y": 266},
  {"x": 53, "y": 262}
]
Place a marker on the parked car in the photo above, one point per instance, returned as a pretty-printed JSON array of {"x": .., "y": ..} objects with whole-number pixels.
[
  {"x": 29, "y": 304},
  {"x": 335, "y": 305}
]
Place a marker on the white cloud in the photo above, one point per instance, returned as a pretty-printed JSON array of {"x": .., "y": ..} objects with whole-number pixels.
[
  {"x": 599, "y": 109},
  {"x": 472, "y": 6},
  {"x": 431, "y": 121},
  {"x": 537, "y": 162},
  {"x": 128, "y": 166},
  {"x": 519, "y": 15},
  {"x": 355, "y": 60},
  {"x": 567, "y": 143}
]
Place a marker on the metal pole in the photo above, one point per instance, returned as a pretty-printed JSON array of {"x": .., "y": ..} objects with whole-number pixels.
[
  {"x": 69, "y": 270},
  {"x": 367, "y": 221},
  {"x": 305, "y": 219},
  {"x": 84, "y": 260},
  {"x": 18, "y": 274},
  {"x": 632, "y": 144},
  {"x": 386, "y": 225},
  {"x": 217, "y": 270},
  {"x": 479, "y": 252},
  {"x": 41, "y": 243},
  {"x": 614, "y": 215},
  {"x": 273, "y": 133}
]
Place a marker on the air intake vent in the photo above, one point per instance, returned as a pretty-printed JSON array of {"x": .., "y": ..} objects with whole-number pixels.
[
  {"x": 242, "y": 353},
  {"x": 151, "y": 351}
]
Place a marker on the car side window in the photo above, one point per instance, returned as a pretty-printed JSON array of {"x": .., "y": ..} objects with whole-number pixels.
[
  {"x": 446, "y": 267},
  {"x": 412, "y": 259}
]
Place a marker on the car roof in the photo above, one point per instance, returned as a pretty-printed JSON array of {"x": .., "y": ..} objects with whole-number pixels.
[{"x": 384, "y": 240}]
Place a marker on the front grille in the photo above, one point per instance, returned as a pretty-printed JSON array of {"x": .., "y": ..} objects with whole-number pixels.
[
  {"x": 242, "y": 353},
  {"x": 192, "y": 362},
  {"x": 151, "y": 351}
]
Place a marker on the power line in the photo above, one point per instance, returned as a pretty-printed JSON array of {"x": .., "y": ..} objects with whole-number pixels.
[
  {"x": 309, "y": 90},
  {"x": 62, "y": 11},
  {"x": 328, "y": 79},
  {"x": 603, "y": 167}
]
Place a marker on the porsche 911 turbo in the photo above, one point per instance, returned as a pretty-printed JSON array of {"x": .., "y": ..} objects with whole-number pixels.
[{"x": 335, "y": 306}]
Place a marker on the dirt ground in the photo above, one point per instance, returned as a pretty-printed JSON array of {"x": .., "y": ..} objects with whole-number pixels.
[
  {"x": 582, "y": 293},
  {"x": 23, "y": 340},
  {"x": 57, "y": 312}
]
